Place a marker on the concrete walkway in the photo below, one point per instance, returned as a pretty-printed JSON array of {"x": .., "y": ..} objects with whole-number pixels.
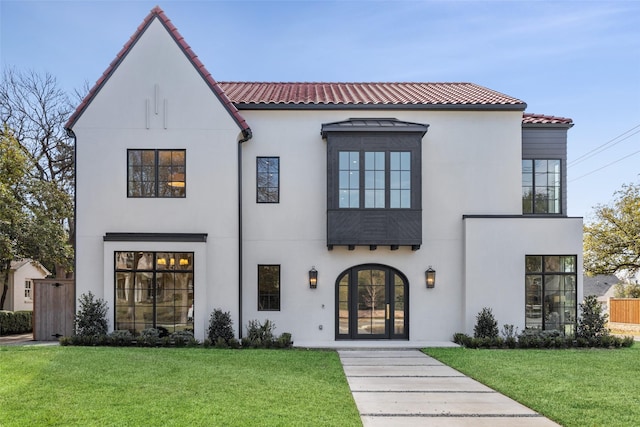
[{"x": 408, "y": 388}]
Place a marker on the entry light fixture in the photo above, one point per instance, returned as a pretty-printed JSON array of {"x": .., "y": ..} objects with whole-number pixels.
[
  {"x": 430, "y": 277},
  {"x": 313, "y": 278}
]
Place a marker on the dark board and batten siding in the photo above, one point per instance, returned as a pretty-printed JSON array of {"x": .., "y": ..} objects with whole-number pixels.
[
  {"x": 548, "y": 143},
  {"x": 374, "y": 226}
]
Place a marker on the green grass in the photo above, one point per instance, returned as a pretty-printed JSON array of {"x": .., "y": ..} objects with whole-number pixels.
[
  {"x": 572, "y": 387},
  {"x": 103, "y": 386}
]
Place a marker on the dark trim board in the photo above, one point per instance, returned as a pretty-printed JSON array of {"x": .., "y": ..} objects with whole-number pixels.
[
  {"x": 155, "y": 237},
  {"x": 538, "y": 216}
]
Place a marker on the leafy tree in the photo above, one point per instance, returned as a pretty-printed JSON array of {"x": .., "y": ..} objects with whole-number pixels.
[
  {"x": 611, "y": 242},
  {"x": 13, "y": 219},
  {"x": 35, "y": 110},
  {"x": 32, "y": 213},
  {"x": 629, "y": 290}
]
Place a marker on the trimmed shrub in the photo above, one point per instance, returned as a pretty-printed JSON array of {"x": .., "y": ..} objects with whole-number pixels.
[
  {"x": 284, "y": 341},
  {"x": 120, "y": 338},
  {"x": 16, "y": 322},
  {"x": 91, "y": 319},
  {"x": 183, "y": 338},
  {"x": 592, "y": 321},
  {"x": 220, "y": 327},
  {"x": 148, "y": 337},
  {"x": 460, "y": 338},
  {"x": 486, "y": 325}
]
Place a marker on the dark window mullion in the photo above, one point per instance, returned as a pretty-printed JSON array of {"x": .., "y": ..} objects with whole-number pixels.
[
  {"x": 361, "y": 174},
  {"x": 387, "y": 180},
  {"x": 156, "y": 177}
]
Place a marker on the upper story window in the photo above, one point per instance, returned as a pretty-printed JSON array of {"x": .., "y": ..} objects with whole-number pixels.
[
  {"x": 541, "y": 188},
  {"x": 156, "y": 173},
  {"x": 374, "y": 182},
  {"x": 385, "y": 178},
  {"x": 268, "y": 179}
]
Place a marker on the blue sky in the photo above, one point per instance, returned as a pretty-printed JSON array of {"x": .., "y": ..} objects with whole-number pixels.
[{"x": 578, "y": 59}]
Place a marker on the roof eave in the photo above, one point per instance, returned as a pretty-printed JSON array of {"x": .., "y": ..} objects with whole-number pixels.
[
  {"x": 430, "y": 107},
  {"x": 548, "y": 125}
]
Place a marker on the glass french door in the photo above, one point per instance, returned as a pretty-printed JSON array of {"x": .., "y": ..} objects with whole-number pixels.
[{"x": 372, "y": 303}]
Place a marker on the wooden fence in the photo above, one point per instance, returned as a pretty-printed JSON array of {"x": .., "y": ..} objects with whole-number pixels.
[{"x": 624, "y": 310}]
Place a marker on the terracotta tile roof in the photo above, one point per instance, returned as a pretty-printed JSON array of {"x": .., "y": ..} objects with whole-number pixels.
[
  {"x": 530, "y": 118},
  {"x": 248, "y": 94},
  {"x": 157, "y": 12}
]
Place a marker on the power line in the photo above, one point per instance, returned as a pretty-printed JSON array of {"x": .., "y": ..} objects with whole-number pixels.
[
  {"x": 605, "y": 166},
  {"x": 612, "y": 142}
]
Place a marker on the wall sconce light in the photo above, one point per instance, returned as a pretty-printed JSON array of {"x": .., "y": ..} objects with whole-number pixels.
[
  {"x": 430, "y": 277},
  {"x": 184, "y": 261},
  {"x": 313, "y": 278},
  {"x": 162, "y": 261}
]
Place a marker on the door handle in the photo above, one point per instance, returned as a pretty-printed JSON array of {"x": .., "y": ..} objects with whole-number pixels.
[{"x": 388, "y": 311}]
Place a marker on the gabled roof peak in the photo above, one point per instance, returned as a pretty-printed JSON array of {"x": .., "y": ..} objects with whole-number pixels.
[{"x": 158, "y": 13}]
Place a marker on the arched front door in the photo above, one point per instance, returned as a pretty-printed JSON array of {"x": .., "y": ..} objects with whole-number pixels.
[{"x": 372, "y": 302}]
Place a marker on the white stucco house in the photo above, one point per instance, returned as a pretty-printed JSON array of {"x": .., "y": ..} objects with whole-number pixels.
[
  {"x": 343, "y": 212},
  {"x": 22, "y": 273}
]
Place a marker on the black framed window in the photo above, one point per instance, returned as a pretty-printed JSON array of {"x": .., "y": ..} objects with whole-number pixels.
[
  {"x": 384, "y": 182},
  {"x": 154, "y": 290},
  {"x": 551, "y": 293},
  {"x": 156, "y": 173},
  {"x": 541, "y": 186},
  {"x": 268, "y": 179},
  {"x": 268, "y": 287}
]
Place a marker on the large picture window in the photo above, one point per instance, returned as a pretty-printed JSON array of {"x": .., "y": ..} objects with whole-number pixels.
[
  {"x": 268, "y": 180},
  {"x": 550, "y": 292},
  {"x": 156, "y": 173},
  {"x": 268, "y": 287},
  {"x": 154, "y": 290},
  {"x": 541, "y": 191},
  {"x": 383, "y": 183}
]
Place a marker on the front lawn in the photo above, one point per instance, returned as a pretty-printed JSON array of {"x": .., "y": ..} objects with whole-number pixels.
[
  {"x": 577, "y": 387},
  {"x": 86, "y": 386}
]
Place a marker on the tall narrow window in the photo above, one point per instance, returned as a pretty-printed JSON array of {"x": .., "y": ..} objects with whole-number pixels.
[
  {"x": 374, "y": 179},
  {"x": 28, "y": 289},
  {"x": 268, "y": 179},
  {"x": 268, "y": 287},
  {"x": 156, "y": 173},
  {"x": 400, "y": 179},
  {"x": 541, "y": 187},
  {"x": 550, "y": 290},
  {"x": 349, "y": 180}
]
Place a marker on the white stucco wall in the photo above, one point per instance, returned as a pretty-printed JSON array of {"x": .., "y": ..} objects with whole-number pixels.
[
  {"x": 495, "y": 250},
  {"x": 470, "y": 165},
  {"x": 196, "y": 121}
]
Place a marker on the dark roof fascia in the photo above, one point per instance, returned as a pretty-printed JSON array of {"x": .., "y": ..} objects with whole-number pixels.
[
  {"x": 519, "y": 217},
  {"x": 155, "y": 237},
  {"x": 405, "y": 127},
  {"x": 157, "y": 13},
  {"x": 548, "y": 125},
  {"x": 426, "y": 107}
]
